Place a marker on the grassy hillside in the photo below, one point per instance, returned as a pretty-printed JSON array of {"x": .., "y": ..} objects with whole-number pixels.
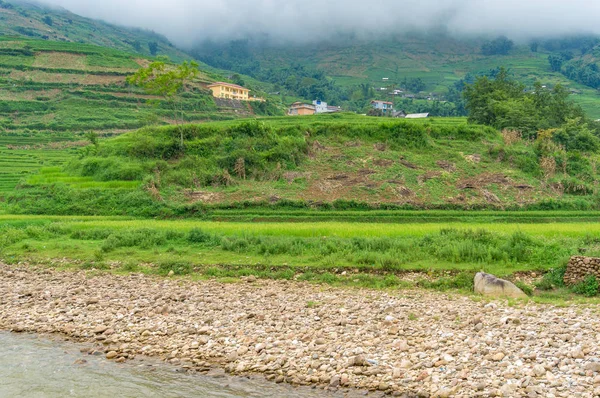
[
  {"x": 53, "y": 93},
  {"x": 439, "y": 61},
  {"x": 325, "y": 162},
  {"x": 34, "y": 20}
]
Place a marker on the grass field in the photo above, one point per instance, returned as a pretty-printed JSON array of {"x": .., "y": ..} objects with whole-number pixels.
[{"x": 360, "y": 254}]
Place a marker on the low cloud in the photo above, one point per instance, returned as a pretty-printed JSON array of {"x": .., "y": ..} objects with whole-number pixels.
[{"x": 188, "y": 21}]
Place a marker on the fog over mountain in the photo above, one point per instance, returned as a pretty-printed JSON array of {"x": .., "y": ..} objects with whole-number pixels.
[{"x": 188, "y": 21}]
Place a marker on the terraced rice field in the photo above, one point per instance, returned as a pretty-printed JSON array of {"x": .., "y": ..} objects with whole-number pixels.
[
  {"x": 19, "y": 158},
  {"x": 52, "y": 175}
]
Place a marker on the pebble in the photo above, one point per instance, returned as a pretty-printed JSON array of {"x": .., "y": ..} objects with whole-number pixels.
[{"x": 356, "y": 339}]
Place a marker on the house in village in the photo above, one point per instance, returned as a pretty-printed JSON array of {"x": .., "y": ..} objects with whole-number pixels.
[
  {"x": 384, "y": 106},
  {"x": 322, "y": 107},
  {"x": 300, "y": 109},
  {"x": 229, "y": 91}
]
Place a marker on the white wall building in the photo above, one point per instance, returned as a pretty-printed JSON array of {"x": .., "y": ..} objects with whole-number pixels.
[{"x": 321, "y": 107}]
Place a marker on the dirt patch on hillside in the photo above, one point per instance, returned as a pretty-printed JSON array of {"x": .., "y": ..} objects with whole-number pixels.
[
  {"x": 383, "y": 162},
  {"x": 408, "y": 164},
  {"x": 447, "y": 166},
  {"x": 291, "y": 176},
  {"x": 430, "y": 175},
  {"x": 474, "y": 158},
  {"x": 484, "y": 180},
  {"x": 135, "y": 95},
  {"x": 403, "y": 191},
  {"x": 327, "y": 185},
  {"x": 204, "y": 197},
  {"x": 353, "y": 144},
  {"x": 12, "y": 44},
  {"x": 30, "y": 95},
  {"x": 380, "y": 146},
  {"x": 142, "y": 62},
  {"x": 60, "y": 60},
  {"x": 49, "y": 77},
  {"x": 58, "y": 145},
  {"x": 490, "y": 197}
]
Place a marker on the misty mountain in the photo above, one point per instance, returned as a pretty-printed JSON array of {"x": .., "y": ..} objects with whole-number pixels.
[
  {"x": 187, "y": 21},
  {"x": 416, "y": 57},
  {"x": 426, "y": 70},
  {"x": 35, "y": 20}
]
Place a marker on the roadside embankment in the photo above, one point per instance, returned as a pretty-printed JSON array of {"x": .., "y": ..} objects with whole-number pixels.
[{"x": 412, "y": 343}]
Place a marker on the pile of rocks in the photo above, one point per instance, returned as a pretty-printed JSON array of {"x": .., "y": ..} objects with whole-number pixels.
[
  {"x": 406, "y": 343},
  {"x": 579, "y": 267}
]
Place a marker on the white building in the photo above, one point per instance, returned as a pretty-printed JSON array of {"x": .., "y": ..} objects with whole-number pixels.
[{"x": 320, "y": 106}]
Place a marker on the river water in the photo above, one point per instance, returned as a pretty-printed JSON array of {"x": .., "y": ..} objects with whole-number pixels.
[{"x": 32, "y": 367}]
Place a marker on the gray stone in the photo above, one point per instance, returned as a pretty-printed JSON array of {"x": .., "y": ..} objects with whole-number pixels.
[{"x": 489, "y": 285}]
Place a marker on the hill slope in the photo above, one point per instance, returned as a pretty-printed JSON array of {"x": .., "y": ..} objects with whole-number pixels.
[
  {"x": 339, "y": 161},
  {"x": 438, "y": 61},
  {"x": 34, "y": 20},
  {"x": 53, "y": 93}
]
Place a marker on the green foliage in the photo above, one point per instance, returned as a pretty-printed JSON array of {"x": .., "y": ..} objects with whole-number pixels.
[
  {"x": 463, "y": 281},
  {"x": 528, "y": 290},
  {"x": 576, "y": 136},
  {"x": 499, "y": 46},
  {"x": 178, "y": 267},
  {"x": 588, "y": 287},
  {"x": 552, "y": 279},
  {"x": 504, "y": 103},
  {"x": 197, "y": 235},
  {"x": 168, "y": 82},
  {"x": 153, "y": 47}
]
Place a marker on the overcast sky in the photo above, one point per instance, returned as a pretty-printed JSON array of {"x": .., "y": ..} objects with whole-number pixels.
[{"x": 186, "y": 21}]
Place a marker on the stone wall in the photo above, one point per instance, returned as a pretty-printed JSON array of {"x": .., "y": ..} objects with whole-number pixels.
[{"x": 579, "y": 267}]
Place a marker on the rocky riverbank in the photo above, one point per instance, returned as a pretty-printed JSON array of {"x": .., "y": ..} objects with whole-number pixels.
[{"x": 407, "y": 343}]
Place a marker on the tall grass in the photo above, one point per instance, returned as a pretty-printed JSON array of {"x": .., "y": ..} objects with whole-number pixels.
[{"x": 372, "y": 248}]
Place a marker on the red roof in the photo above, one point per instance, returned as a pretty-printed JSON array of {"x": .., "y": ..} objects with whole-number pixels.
[
  {"x": 383, "y": 102},
  {"x": 227, "y": 85}
]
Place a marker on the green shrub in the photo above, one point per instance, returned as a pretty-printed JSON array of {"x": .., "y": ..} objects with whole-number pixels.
[
  {"x": 92, "y": 234},
  {"x": 462, "y": 280},
  {"x": 178, "y": 268},
  {"x": 196, "y": 235},
  {"x": 552, "y": 279},
  {"x": 588, "y": 287},
  {"x": 528, "y": 290}
]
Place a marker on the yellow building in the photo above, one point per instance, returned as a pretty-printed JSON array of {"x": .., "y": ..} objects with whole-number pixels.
[{"x": 230, "y": 91}]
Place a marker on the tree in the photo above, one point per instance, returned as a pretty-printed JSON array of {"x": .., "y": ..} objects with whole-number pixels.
[
  {"x": 556, "y": 62},
  {"x": 576, "y": 136},
  {"x": 47, "y": 20},
  {"x": 504, "y": 103},
  {"x": 415, "y": 85},
  {"x": 153, "y": 47},
  {"x": 482, "y": 96},
  {"x": 534, "y": 46},
  {"x": 499, "y": 46},
  {"x": 137, "y": 46},
  {"x": 168, "y": 82},
  {"x": 237, "y": 79}
]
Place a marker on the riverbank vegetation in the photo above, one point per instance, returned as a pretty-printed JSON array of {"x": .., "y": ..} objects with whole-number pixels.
[{"x": 431, "y": 255}]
